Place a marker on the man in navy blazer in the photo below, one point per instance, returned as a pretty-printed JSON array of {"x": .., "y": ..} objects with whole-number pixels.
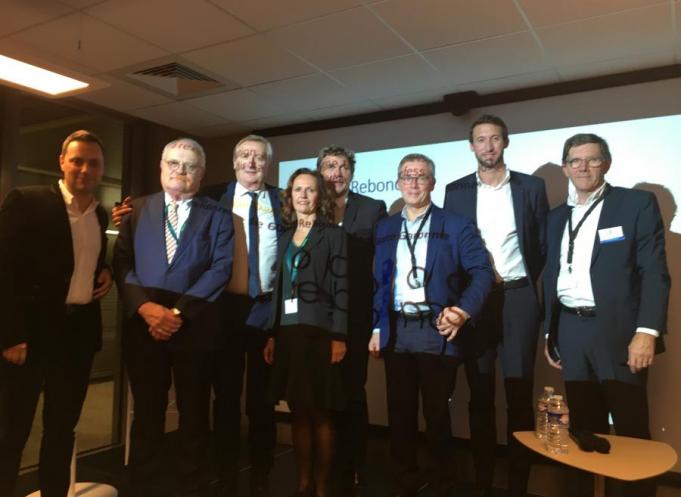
[
  {"x": 432, "y": 274},
  {"x": 509, "y": 209},
  {"x": 172, "y": 259},
  {"x": 606, "y": 289}
]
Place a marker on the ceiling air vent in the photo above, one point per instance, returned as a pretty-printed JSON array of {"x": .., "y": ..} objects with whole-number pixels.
[{"x": 176, "y": 79}]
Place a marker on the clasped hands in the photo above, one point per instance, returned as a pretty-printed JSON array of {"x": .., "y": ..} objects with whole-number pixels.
[{"x": 163, "y": 322}]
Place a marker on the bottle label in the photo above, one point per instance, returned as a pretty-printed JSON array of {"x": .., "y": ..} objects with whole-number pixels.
[{"x": 559, "y": 418}]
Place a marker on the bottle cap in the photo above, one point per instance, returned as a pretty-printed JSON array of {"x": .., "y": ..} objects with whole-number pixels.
[
  {"x": 557, "y": 397},
  {"x": 549, "y": 389}
]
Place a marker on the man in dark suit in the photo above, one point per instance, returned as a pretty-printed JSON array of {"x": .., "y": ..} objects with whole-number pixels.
[
  {"x": 509, "y": 209},
  {"x": 358, "y": 216},
  {"x": 172, "y": 259},
  {"x": 52, "y": 251},
  {"x": 432, "y": 274},
  {"x": 247, "y": 305},
  {"x": 606, "y": 289}
]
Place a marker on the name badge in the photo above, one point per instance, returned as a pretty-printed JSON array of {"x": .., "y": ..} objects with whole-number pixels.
[
  {"x": 609, "y": 235},
  {"x": 415, "y": 295},
  {"x": 290, "y": 306}
]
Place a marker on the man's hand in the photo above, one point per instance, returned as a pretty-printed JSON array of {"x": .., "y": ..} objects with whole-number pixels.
[
  {"x": 118, "y": 211},
  {"x": 375, "y": 345},
  {"x": 17, "y": 354},
  {"x": 555, "y": 364},
  {"x": 163, "y": 322},
  {"x": 338, "y": 349},
  {"x": 450, "y": 321},
  {"x": 641, "y": 351},
  {"x": 104, "y": 282},
  {"x": 268, "y": 351}
]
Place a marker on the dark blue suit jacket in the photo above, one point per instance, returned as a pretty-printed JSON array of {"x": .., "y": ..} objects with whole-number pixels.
[
  {"x": 455, "y": 255},
  {"x": 530, "y": 207},
  {"x": 199, "y": 270},
  {"x": 629, "y": 278}
]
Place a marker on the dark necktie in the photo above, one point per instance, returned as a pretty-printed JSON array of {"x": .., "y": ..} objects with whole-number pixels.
[{"x": 253, "y": 267}]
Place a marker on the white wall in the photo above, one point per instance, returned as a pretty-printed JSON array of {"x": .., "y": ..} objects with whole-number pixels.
[{"x": 630, "y": 102}]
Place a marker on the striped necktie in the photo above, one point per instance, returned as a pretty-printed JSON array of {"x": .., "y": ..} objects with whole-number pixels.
[{"x": 172, "y": 224}]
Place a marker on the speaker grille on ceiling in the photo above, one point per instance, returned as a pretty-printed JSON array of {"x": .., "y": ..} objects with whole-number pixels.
[{"x": 175, "y": 70}]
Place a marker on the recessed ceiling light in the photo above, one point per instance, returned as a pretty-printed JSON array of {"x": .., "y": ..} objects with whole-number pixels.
[{"x": 37, "y": 78}]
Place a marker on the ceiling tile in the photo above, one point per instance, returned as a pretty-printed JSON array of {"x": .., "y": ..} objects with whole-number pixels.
[
  {"x": 307, "y": 93},
  {"x": 542, "y": 13},
  {"x": 396, "y": 76},
  {"x": 123, "y": 96},
  {"x": 219, "y": 130},
  {"x": 90, "y": 42},
  {"x": 340, "y": 40},
  {"x": 237, "y": 105},
  {"x": 614, "y": 66},
  {"x": 265, "y": 14},
  {"x": 249, "y": 61},
  {"x": 628, "y": 33},
  {"x": 488, "y": 59},
  {"x": 343, "y": 110},
  {"x": 435, "y": 23},
  {"x": 415, "y": 98},
  {"x": 81, "y": 4},
  {"x": 178, "y": 115},
  {"x": 11, "y": 46},
  {"x": 511, "y": 82},
  {"x": 171, "y": 24},
  {"x": 20, "y": 14}
]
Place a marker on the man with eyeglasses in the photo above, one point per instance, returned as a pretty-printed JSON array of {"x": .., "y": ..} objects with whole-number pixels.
[
  {"x": 433, "y": 274},
  {"x": 358, "y": 215},
  {"x": 509, "y": 209},
  {"x": 172, "y": 260},
  {"x": 606, "y": 288}
]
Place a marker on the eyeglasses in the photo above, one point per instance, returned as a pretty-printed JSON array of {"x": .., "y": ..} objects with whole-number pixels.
[
  {"x": 593, "y": 162},
  {"x": 176, "y": 165},
  {"x": 421, "y": 179}
]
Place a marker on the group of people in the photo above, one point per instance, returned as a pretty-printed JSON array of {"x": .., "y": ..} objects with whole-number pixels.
[{"x": 295, "y": 289}]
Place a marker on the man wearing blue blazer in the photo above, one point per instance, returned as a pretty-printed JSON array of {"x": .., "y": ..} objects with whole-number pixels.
[
  {"x": 246, "y": 306},
  {"x": 432, "y": 274},
  {"x": 172, "y": 260},
  {"x": 509, "y": 209},
  {"x": 606, "y": 288}
]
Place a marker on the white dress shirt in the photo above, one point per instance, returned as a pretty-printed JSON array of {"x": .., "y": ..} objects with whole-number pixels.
[
  {"x": 267, "y": 232},
  {"x": 403, "y": 262},
  {"x": 496, "y": 222},
  {"x": 87, "y": 243},
  {"x": 574, "y": 287}
]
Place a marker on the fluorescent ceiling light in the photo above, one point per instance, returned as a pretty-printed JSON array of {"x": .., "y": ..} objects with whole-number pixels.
[{"x": 36, "y": 78}]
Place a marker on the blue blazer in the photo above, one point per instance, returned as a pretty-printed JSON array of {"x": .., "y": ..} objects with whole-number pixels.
[
  {"x": 530, "y": 207},
  {"x": 201, "y": 265},
  {"x": 629, "y": 278},
  {"x": 455, "y": 255}
]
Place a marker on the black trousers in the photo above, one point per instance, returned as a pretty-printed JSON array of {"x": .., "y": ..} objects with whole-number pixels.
[
  {"x": 352, "y": 424},
  {"x": 432, "y": 377},
  {"x": 151, "y": 367},
  {"x": 62, "y": 369},
  {"x": 510, "y": 318},
  {"x": 242, "y": 352}
]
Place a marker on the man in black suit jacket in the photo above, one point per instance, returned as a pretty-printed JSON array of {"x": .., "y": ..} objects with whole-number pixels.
[
  {"x": 358, "y": 215},
  {"x": 606, "y": 289},
  {"x": 52, "y": 250},
  {"x": 509, "y": 209}
]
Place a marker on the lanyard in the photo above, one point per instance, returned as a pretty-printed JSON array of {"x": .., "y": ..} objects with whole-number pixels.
[
  {"x": 412, "y": 247},
  {"x": 293, "y": 260},
  {"x": 572, "y": 233}
]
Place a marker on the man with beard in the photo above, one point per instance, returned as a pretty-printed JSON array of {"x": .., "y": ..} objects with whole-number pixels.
[
  {"x": 358, "y": 215},
  {"x": 509, "y": 209}
]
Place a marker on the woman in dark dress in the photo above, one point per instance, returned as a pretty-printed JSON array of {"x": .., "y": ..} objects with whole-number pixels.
[{"x": 309, "y": 326}]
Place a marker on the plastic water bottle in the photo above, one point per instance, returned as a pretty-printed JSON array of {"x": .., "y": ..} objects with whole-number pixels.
[
  {"x": 542, "y": 415},
  {"x": 558, "y": 429}
]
